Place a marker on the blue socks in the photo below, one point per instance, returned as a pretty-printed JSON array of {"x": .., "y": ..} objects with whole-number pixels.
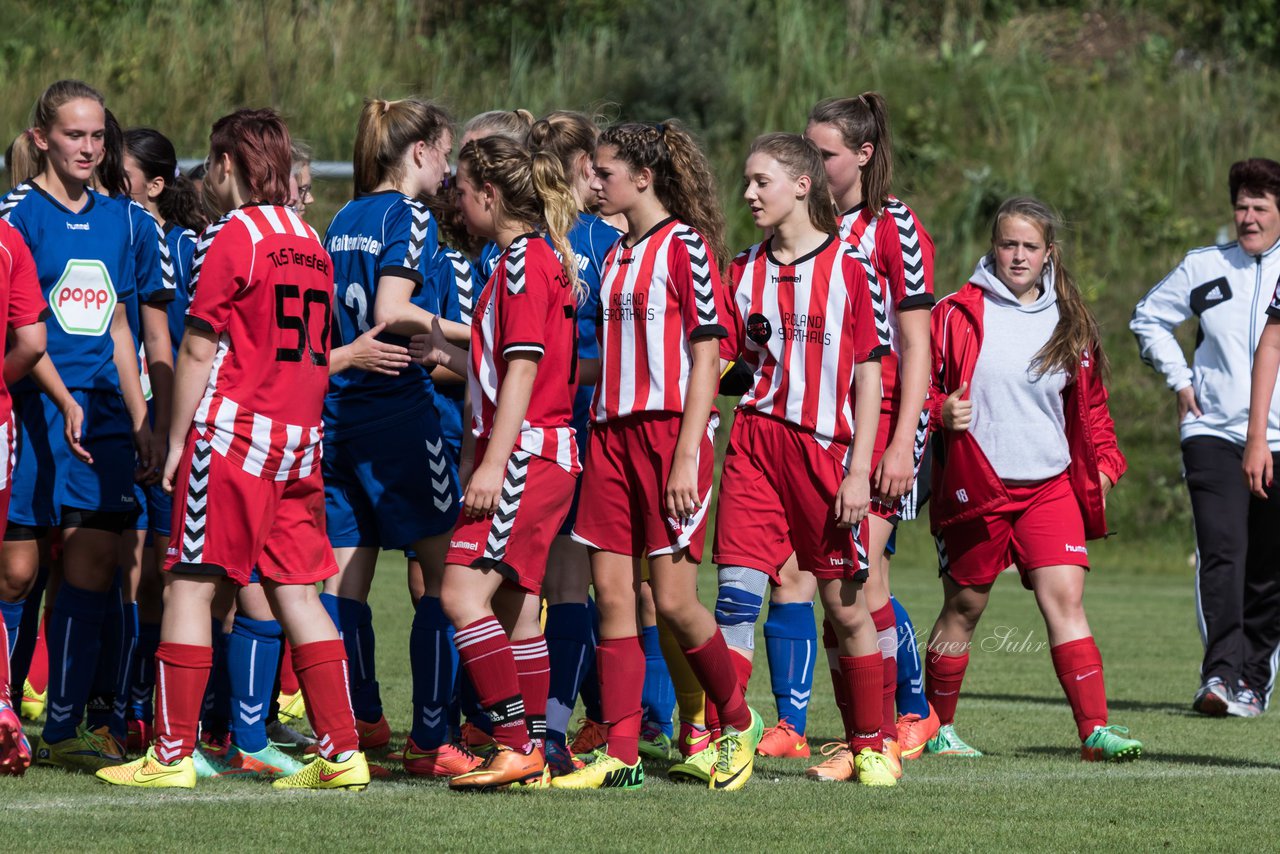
[
  {"x": 791, "y": 642},
  {"x": 658, "y": 697},
  {"x": 74, "y": 633},
  {"x": 102, "y": 694},
  {"x": 12, "y": 612},
  {"x": 253, "y": 655},
  {"x": 571, "y": 646},
  {"x": 32, "y": 612},
  {"x": 589, "y": 689},
  {"x": 433, "y": 660},
  {"x": 125, "y": 671},
  {"x": 144, "y": 678},
  {"x": 910, "y": 695},
  {"x": 354, "y": 620},
  {"x": 215, "y": 718}
]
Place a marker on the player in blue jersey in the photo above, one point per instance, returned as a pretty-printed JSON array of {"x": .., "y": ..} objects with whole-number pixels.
[
  {"x": 387, "y": 480},
  {"x": 81, "y": 244}
]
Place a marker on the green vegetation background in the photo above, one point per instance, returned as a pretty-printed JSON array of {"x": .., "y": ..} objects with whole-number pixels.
[{"x": 1126, "y": 115}]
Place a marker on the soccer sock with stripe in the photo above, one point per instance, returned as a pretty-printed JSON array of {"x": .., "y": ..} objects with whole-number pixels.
[
  {"x": 713, "y": 664},
  {"x": 215, "y": 719},
  {"x": 433, "y": 659},
  {"x": 791, "y": 644},
  {"x": 1078, "y": 664},
  {"x": 658, "y": 696},
  {"x": 944, "y": 675},
  {"x": 621, "y": 664},
  {"x": 37, "y": 664},
  {"x": 322, "y": 673},
  {"x": 863, "y": 680},
  {"x": 253, "y": 651},
  {"x": 75, "y": 629},
  {"x": 486, "y": 654},
  {"x": 910, "y": 691},
  {"x": 182, "y": 671},
  {"x": 354, "y": 620},
  {"x": 11, "y": 613},
  {"x": 125, "y": 672},
  {"x": 144, "y": 682},
  {"x": 887, "y": 644},
  {"x": 571, "y": 647},
  {"x": 533, "y": 671},
  {"x": 107, "y": 674},
  {"x": 4, "y": 663},
  {"x": 30, "y": 636}
]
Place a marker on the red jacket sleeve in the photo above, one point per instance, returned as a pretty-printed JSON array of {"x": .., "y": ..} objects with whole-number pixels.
[
  {"x": 1102, "y": 428},
  {"x": 937, "y": 365}
]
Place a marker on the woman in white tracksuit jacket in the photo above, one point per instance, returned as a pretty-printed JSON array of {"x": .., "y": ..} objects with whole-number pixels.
[{"x": 1227, "y": 288}]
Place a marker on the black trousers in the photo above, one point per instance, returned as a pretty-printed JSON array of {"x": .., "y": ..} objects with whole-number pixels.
[{"x": 1238, "y": 566}]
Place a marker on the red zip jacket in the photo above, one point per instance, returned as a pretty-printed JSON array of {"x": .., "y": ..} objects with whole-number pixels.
[{"x": 965, "y": 485}]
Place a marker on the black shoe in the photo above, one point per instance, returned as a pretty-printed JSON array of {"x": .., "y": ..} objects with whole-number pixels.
[
  {"x": 1247, "y": 703},
  {"x": 1214, "y": 698}
]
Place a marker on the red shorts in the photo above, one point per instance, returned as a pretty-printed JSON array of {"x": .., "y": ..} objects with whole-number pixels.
[
  {"x": 227, "y": 521},
  {"x": 624, "y": 480},
  {"x": 1040, "y": 526},
  {"x": 884, "y": 432},
  {"x": 515, "y": 541},
  {"x": 777, "y": 496}
]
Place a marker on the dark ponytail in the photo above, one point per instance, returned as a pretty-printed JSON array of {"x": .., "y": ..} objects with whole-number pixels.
[
  {"x": 112, "y": 179},
  {"x": 861, "y": 120},
  {"x": 156, "y": 157}
]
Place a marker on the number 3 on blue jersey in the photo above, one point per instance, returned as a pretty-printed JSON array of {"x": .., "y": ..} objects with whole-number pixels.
[{"x": 358, "y": 301}]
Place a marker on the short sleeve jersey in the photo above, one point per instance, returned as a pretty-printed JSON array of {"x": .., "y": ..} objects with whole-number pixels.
[
  {"x": 591, "y": 239},
  {"x": 801, "y": 328},
  {"x": 452, "y": 297},
  {"x": 153, "y": 274},
  {"x": 264, "y": 286},
  {"x": 374, "y": 236},
  {"x": 656, "y": 297},
  {"x": 84, "y": 260},
  {"x": 901, "y": 251},
  {"x": 182, "y": 249},
  {"x": 527, "y": 309},
  {"x": 21, "y": 303}
]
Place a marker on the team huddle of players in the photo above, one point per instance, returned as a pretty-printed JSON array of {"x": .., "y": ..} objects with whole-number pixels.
[{"x": 221, "y": 405}]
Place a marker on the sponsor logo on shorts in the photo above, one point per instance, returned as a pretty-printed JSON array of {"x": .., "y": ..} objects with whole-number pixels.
[
  {"x": 840, "y": 561},
  {"x": 1079, "y": 550},
  {"x": 463, "y": 544},
  {"x": 171, "y": 552}
]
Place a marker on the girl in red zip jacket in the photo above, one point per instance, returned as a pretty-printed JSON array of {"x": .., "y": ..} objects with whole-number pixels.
[{"x": 1028, "y": 453}]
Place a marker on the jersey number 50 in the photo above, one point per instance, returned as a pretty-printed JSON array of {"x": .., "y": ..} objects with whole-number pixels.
[{"x": 300, "y": 324}]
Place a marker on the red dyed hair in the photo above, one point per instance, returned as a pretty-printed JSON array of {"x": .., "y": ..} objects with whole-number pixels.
[{"x": 259, "y": 145}]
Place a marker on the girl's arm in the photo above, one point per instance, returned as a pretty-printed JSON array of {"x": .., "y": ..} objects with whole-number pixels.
[
  {"x": 854, "y": 495},
  {"x": 50, "y": 382},
  {"x": 126, "y": 361},
  {"x": 393, "y": 307},
  {"x": 1257, "y": 453},
  {"x": 894, "y": 475},
  {"x": 484, "y": 489},
  {"x": 367, "y": 353},
  {"x": 432, "y": 349},
  {"x": 26, "y": 348},
  {"x": 195, "y": 363},
  {"x": 682, "y": 499},
  {"x": 159, "y": 350}
]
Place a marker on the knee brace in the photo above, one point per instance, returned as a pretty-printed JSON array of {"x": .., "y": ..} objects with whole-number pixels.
[{"x": 738, "y": 604}]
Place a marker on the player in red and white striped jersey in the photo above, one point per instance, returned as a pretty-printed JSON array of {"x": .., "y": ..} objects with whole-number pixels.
[
  {"x": 797, "y": 477},
  {"x": 244, "y": 458},
  {"x": 522, "y": 378}
]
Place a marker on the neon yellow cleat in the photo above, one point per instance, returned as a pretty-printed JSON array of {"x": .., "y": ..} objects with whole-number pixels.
[
  {"x": 148, "y": 772},
  {"x": 697, "y": 768},
  {"x": 293, "y": 708},
  {"x": 85, "y": 751},
  {"x": 603, "y": 772},
  {"x": 874, "y": 768},
  {"x": 737, "y": 755},
  {"x": 32, "y": 702},
  {"x": 321, "y": 773}
]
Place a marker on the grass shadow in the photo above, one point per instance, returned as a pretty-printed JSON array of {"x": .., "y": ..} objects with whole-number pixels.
[{"x": 1121, "y": 705}]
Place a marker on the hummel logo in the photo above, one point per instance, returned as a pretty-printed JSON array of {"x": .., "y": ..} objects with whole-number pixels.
[{"x": 1085, "y": 675}]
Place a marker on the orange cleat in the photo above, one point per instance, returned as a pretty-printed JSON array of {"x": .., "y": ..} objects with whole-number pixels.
[
  {"x": 692, "y": 740},
  {"x": 448, "y": 760},
  {"x": 782, "y": 741},
  {"x": 893, "y": 757},
  {"x": 914, "y": 733},
  {"x": 373, "y": 735},
  {"x": 590, "y": 738},
  {"x": 477, "y": 740},
  {"x": 838, "y": 767},
  {"x": 505, "y": 768}
]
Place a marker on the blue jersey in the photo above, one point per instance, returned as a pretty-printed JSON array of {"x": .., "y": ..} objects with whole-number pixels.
[
  {"x": 153, "y": 274},
  {"x": 591, "y": 239},
  {"x": 372, "y": 236},
  {"x": 85, "y": 263},
  {"x": 182, "y": 250},
  {"x": 488, "y": 259},
  {"x": 452, "y": 299}
]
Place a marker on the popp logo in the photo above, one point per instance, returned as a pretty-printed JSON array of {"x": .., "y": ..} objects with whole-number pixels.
[{"x": 84, "y": 298}]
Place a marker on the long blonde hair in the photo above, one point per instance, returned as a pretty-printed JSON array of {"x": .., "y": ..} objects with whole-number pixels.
[
  {"x": 386, "y": 130},
  {"x": 26, "y": 154},
  {"x": 798, "y": 156}
]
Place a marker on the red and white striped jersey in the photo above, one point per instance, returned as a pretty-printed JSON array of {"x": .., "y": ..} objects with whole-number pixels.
[
  {"x": 901, "y": 252},
  {"x": 655, "y": 298},
  {"x": 264, "y": 284},
  {"x": 802, "y": 327},
  {"x": 527, "y": 307},
  {"x": 21, "y": 304}
]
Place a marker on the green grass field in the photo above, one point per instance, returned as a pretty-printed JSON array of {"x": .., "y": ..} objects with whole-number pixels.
[{"x": 1199, "y": 780}]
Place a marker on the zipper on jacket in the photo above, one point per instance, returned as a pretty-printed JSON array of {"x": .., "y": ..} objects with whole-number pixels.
[{"x": 1253, "y": 313}]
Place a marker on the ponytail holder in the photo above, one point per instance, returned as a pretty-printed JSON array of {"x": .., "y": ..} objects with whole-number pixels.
[
  {"x": 30, "y": 132},
  {"x": 660, "y": 128},
  {"x": 177, "y": 173}
]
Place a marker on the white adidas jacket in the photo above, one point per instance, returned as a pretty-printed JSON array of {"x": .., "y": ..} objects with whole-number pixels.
[{"x": 1228, "y": 290}]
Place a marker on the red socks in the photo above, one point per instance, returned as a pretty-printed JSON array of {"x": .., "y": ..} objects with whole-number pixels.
[
  {"x": 742, "y": 667},
  {"x": 886, "y": 624},
  {"x": 943, "y": 676},
  {"x": 862, "y": 676},
  {"x": 322, "y": 674},
  {"x": 1079, "y": 667},
  {"x": 288, "y": 679},
  {"x": 182, "y": 671},
  {"x": 831, "y": 645},
  {"x": 4, "y": 664},
  {"x": 486, "y": 653},
  {"x": 533, "y": 672},
  {"x": 38, "y": 672},
  {"x": 713, "y": 665},
  {"x": 620, "y": 663}
]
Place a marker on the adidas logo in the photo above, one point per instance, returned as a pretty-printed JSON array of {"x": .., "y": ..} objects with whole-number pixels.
[{"x": 1215, "y": 295}]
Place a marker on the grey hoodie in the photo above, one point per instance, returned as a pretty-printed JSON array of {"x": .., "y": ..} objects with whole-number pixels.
[{"x": 1018, "y": 418}]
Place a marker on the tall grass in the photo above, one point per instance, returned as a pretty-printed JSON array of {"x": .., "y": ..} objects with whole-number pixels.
[{"x": 1129, "y": 136}]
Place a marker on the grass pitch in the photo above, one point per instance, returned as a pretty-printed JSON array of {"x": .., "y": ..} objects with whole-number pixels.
[{"x": 1198, "y": 780}]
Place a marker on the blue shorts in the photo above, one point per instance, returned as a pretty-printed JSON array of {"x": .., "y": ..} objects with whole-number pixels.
[
  {"x": 48, "y": 478},
  {"x": 390, "y": 488},
  {"x": 155, "y": 507}
]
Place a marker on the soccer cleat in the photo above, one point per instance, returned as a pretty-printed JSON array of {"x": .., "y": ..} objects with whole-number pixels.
[
  {"x": 85, "y": 751},
  {"x": 559, "y": 759},
  {"x": 692, "y": 740},
  {"x": 293, "y": 708},
  {"x": 654, "y": 743},
  {"x": 447, "y": 760},
  {"x": 947, "y": 743},
  {"x": 1110, "y": 744},
  {"x": 208, "y": 765},
  {"x": 914, "y": 733},
  {"x": 477, "y": 740},
  {"x": 140, "y": 735},
  {"x": 539, "y": 781},
  {"x": 502, "y": 769},
  {"x": 783, "y": 742},
  {"x": 590, "y": 737},
  {"x": 215, "y": 746},
  {"x": 603, "y": 772},
  {"x": 736, "y": 755},
  {"x": 1214, "y": 698},
  {"x": 283, "y": 735},
  {"x": 373, "y": 735},
  {"x": 838, "y": 767},
  {"x": 32, "y": 701},
  {"x": 269, "y": 762},
  {"x": 1247, "y": 702},
  {"x": 320, "y": 773},
  {"x": 697, "y": 768},
  {"x": 148, "y": 772},
  {"x": 874, "y": 769},
  {"x": 15, "y": 750},
  {"x": 892, "y": 755}
]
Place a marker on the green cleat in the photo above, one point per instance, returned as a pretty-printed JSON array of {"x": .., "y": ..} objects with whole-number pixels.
[
  {"x": 737, "y": 755},
  {"x": 697, "y": 768},
  {"x": 1110, "y": 744},
  {"x": 603, "y": 772},
  {"x": 654, "y": 744},
  {"x": 947, "y": 743},
  {"x": 85, "y": 751}
]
